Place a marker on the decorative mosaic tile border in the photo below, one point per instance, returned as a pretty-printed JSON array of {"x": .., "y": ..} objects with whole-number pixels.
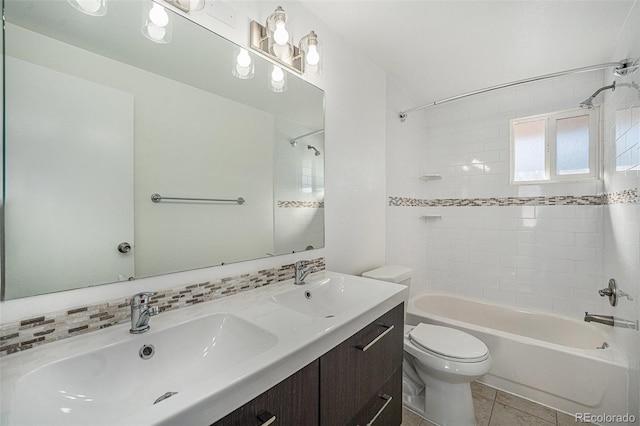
[
  {"x": 626, "y": 196},
  {"x": 621, "y": 197},
  {"x": 301, "y": 204},
  {"x": 49, "y": 327}
]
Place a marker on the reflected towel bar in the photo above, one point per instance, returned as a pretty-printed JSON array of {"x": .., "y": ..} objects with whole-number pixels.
[{"x": 156, "y": 198}]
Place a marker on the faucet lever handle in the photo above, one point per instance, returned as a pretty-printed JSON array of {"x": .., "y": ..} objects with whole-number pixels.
[{"x": 142, "y": 298}]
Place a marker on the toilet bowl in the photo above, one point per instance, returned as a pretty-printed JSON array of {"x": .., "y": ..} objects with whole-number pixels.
[{"x": 439, "y": 364}]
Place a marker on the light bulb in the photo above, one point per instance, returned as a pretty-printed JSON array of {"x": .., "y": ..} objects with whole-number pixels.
[
  {"x": 90, "y": 6},
  {"x": 277, "y": 75},
  {"x": 155, "y": 32},
  {"x": 281, "y": 35},
  {"x": 243, "y": 60},
  {"x": 277, "y": 80},
  {"x": 158, "y": 15},
  {"x": 313, "y": 57}
]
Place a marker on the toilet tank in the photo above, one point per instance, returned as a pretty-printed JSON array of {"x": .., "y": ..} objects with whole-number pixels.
[{"x": 391, "y": 273}]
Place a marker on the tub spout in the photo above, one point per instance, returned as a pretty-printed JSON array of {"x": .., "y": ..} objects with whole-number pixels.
[
  {"x": 602, "y": 319},
  {"x": 611, "y": 320}
]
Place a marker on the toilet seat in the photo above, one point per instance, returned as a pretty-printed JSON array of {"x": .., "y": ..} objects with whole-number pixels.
[{"x": 448, "y": 343}]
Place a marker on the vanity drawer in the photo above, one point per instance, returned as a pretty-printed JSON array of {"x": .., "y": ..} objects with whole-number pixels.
[
  {"x": 294, "y": 401},
  {"x": 385, "y": 408},
  {"x": 353, "y": 372}
]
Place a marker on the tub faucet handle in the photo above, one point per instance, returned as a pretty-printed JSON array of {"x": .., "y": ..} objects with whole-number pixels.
[{"x": 611, "y": 291}]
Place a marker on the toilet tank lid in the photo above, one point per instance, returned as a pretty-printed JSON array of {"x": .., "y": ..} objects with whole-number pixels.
[{"x": 390, "y": 273}]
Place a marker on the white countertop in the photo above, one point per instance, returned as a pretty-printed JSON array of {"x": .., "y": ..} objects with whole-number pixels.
[{"x": 300, "y": 340}]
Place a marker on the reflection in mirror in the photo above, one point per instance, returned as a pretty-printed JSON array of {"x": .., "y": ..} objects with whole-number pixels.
[{"x": 99, "y": 118}]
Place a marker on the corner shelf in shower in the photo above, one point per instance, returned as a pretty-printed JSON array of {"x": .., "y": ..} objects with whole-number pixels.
[{"x": 430, "y": 177}]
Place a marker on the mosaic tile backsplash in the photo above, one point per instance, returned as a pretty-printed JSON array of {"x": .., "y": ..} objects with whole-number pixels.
[
  {"x": 626, "y": 196},
  {"x": 301, "y": 204},
  {"x": 49, "y": 327}
]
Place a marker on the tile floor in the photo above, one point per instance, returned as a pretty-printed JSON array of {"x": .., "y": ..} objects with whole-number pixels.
[{"x": 497, "y": 408}]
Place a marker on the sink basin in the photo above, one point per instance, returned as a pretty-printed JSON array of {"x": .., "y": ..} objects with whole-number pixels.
[
  {"x": 329, "y": 297},
  {"x": 107, "y": 385}
]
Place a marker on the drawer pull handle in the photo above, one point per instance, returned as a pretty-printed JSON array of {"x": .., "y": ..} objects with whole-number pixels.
[
  {"x": 388, "y": 399},
  {"x": 266, "y": 418},
  {"x": 388, "y": 327}
]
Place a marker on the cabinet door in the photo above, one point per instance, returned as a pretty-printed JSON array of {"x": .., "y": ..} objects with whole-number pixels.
[
  {"x": 352, "y": 373},
  {"x": 385, "y": 408},
  {"x": 294, "y": 401}
]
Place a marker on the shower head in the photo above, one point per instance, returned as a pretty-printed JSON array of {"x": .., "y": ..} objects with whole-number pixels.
[
  {"x": 588, "y": 103},
  {"x": 314, "y": 148}
]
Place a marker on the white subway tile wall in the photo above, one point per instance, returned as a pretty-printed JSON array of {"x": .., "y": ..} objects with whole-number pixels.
[{"x": 546, "y": 254}]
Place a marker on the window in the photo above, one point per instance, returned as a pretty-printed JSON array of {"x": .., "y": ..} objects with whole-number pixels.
[{"x": 554, "y": 147}]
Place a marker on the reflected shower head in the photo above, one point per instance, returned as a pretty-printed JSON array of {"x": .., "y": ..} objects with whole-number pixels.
[
  {"x": 314, "y": 148},
  {"x": 588, "y": 103}
]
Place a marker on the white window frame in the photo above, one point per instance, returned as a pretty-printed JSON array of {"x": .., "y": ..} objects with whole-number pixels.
[{"x": 550, "y": 126}]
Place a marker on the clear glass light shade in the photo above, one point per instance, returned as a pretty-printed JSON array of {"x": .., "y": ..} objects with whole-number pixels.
[
  {"x": 90, "y": 7},
  {"x": 311, "y": 55},
  {"x": 277, "y": 79},
  {"x": 189, "y": 5},
  {"x": 243, "y": 66},
  {"x": 157, "y": 25},
  {"x": 280, "y": 35}
]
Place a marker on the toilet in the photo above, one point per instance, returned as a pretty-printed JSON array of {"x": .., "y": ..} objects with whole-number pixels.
[{"x": 439, "y": 364}]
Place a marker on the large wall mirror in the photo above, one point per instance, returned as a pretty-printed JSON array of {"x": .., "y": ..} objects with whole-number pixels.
[{"x": 98, "y": 118}]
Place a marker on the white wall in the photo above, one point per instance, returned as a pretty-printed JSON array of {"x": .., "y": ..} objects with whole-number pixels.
[
  {"x": 404, "y": 162},
  {"x": 355, "y": 168},
  {"x": 622, "y": 221}
]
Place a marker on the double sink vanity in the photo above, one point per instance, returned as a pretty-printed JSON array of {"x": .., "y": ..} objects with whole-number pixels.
[{"x": 326, "y": 352}]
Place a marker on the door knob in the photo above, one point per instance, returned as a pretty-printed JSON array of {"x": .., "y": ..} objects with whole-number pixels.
[{"x": 124, "y": 247}]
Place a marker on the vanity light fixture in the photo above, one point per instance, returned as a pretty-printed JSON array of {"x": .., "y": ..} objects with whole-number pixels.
[
  {"x": 274, "y": 39},
  {"x": 90, "y": 7},
  {"x": 157, "y": 23}
]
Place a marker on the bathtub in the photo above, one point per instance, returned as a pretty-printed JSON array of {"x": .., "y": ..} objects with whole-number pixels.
[{"x": 546, "y": 358}]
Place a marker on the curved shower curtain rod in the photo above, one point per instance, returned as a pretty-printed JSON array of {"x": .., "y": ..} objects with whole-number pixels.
[
  {"x": 294, "y": 141},
  {"x": 623, "y": 67}
]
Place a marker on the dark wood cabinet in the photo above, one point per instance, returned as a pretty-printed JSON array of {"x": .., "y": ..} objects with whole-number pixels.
[
  {"x": 356, "y": 383},
  {"x": 353, "y": 373},
  {"x": 385, "y": 408},
  {"x": 293, "y": 401}
]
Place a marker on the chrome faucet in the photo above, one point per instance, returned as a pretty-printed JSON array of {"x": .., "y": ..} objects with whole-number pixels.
[
  {"x": 611, "y": 321},
  {"x": 141, "y": 312},
  {"x": 301, "y": 274},
  {"x": 602, "y": 319}
]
